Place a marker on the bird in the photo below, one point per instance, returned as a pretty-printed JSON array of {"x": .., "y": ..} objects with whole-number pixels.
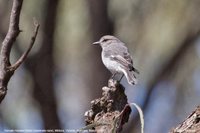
[{"x": 116, "y": 58}]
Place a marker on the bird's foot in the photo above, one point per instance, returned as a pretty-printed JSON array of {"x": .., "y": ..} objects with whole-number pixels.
[{"x": 121, "y": 77}]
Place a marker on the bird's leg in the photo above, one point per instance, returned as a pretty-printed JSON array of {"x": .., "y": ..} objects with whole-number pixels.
[
  {"x": 121, "y": 77},
  {"x": 113, "y": 75}
]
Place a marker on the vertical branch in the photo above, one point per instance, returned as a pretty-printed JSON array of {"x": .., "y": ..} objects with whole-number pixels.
[
  {"x": 101, "y": 25},
  {"x": 13, "y": 30},
  {"x": 6, "y": 69},
  {"x": 41, "y": 67}
]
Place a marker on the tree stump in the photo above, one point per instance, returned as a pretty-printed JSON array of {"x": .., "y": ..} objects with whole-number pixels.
[{"x": 110, "y": 112}]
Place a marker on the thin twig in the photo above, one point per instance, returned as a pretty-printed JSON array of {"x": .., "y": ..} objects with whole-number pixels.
[
  {"x": 24, "y": 56},
  {"x": 141, "y": 116}
]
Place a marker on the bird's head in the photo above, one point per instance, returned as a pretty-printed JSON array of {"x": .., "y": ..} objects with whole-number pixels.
[{"x": 106, "y": 40}]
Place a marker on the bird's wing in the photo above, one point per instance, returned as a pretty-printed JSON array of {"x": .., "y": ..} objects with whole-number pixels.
[
  {"x": 128, "y": 57},
  {"x": 122, "y": 56},
  {"x": 126, "y": 61}
]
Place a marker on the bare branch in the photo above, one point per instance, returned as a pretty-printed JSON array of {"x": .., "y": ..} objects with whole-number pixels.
[
  {"x": 6, "y": 70},
  {"x": 24, "y": 56},
  {"x": 13, "y": 31}
]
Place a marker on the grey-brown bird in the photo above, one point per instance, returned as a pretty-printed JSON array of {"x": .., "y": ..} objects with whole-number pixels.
[{"x": 116, "y": 58}]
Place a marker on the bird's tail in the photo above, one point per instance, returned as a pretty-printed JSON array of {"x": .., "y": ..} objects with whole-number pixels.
[{"x": 130, "y": 77}]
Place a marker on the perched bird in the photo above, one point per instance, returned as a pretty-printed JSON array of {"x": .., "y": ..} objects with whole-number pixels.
[{"x": 116, "y": 58}]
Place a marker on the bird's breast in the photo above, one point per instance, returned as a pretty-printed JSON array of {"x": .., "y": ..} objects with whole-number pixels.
[{"x": 110, "y": 64}]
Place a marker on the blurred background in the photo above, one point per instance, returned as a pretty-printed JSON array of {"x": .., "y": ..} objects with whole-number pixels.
[{"x": 64, "y": 72}]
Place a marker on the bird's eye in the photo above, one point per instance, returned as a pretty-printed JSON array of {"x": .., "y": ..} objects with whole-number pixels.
[{"x": 105, "y": 40}]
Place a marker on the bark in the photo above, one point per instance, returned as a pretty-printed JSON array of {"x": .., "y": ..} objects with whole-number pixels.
[
  {"x": 190, "y": 125},
  {"x": 109, "y": 113},
  {"x": 6, "y": 68}
]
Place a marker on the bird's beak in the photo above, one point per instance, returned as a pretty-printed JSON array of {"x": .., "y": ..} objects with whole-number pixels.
[{"x": 95, "y": 43}]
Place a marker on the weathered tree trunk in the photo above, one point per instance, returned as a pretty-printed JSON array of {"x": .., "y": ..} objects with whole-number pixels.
[
  {"x": 190, "y": 125},
  {"x": 110, "y": 112}
]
